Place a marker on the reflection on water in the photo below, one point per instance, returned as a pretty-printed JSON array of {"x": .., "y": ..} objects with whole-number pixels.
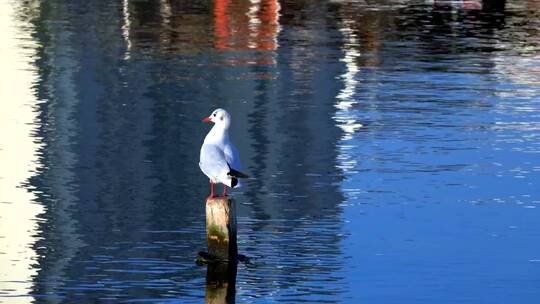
[
  {"x": 392, "y": 147},
  {"x": 19, "y": 215},
  {"x": 242, "y": 25}
]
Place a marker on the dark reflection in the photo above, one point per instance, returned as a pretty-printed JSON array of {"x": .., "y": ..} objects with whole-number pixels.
[
  {"x": 293, "y": 163},
  {"x": 97, "y": 134},
  {"x": 469, "y": 15},
  {"x": 221, "y": 283},
  {"x": 120, "y": 132},
  {"x": 182, "y": 27}
]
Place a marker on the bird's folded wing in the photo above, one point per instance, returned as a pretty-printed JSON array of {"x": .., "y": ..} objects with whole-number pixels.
[
  {"x": 231, "y": 156},
  {"x": 213, "y": 161}
]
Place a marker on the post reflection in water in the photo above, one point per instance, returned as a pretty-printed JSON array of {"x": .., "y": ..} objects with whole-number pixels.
[
  {"x": 391, "y": 147},
  {"x": 221, "y": 283}
]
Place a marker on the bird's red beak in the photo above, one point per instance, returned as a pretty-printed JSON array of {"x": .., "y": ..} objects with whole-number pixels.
[{"x": 206, "y": 119}]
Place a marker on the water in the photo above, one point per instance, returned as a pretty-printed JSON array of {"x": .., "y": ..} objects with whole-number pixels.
[{"x": 393, "y": 148}]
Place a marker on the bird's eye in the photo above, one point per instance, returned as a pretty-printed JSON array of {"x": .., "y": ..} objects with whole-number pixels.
[{"x": 214, "y": 114}]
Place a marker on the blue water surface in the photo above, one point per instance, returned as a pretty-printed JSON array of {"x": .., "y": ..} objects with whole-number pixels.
[{"x": 393, "y": 149}]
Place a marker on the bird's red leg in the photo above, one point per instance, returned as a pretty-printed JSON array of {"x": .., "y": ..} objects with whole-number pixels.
[
  {"x": 212, "y": 195},
  {"x": 224, "y": 191}
]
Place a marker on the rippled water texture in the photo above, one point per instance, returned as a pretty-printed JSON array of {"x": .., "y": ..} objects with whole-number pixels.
[{"x": 393, "y": 149}]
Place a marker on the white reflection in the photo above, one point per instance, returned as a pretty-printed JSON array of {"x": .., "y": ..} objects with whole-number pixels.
[
  {"x": 345, "y": 116},
  {"x": 254, "y": 22},
  {"x": 126, "y": 28},
  {"x": 18, "y": 159},
  {"x": 522, "y": 69},
  {"x": 165, "y": 11},
  {"x": 253, "y": 10}
]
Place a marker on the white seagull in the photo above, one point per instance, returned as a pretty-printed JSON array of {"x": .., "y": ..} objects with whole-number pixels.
[{"x": 219, "y": 159}]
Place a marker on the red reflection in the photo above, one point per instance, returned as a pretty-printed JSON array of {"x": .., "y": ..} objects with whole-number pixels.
[{"x": 242, "y": 24}]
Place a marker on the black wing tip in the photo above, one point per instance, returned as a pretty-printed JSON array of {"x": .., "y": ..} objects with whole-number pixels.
[{"x": 236, "y": 173}]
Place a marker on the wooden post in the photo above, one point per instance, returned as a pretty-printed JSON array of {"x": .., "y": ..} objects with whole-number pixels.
[
  {"x": 221, "y": 228},
  {"x": 222, "y": 251}
]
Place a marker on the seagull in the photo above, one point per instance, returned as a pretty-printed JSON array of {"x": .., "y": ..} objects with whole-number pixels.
[{"x": 219, "y": 159}]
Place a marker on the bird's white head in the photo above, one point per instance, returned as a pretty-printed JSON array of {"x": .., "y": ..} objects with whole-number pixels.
[{"x": 219, "y": 117}]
